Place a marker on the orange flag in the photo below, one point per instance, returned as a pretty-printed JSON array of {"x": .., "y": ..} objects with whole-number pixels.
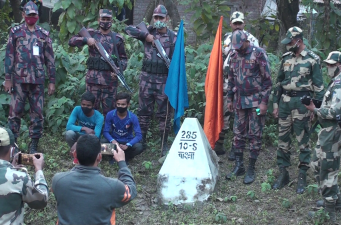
[{"x": 214, "y": 90}]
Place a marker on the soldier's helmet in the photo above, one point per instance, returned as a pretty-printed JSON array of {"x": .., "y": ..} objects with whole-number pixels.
[
  {"x": 238, "y": 38},
  {"x": 237, "y": 17},
  {"x": 6, "y": 137},
  {"x": 105, "y": 13},
  {"x": 293, "y": 32},
  {"x": 160, "y": 10},
  {"x": 333, "y": 57},
  {"x": 30, "y": 7}
]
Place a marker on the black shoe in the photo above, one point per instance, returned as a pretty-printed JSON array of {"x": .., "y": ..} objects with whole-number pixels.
[
  {"x": 219, "y": 148},
  {"x": 282, "y": 180},
  {"x": 250, "y": 174},
  {"x": 33, "y": 146},
  {"x": 231, "y": 156},
  {"x": 320, "y": 203},
  {"x": 238, "y": 169},
  {"x": 330, "y": 209},
  {"x": 301, "y": 183},
  {"x": 164, "y": 146}
]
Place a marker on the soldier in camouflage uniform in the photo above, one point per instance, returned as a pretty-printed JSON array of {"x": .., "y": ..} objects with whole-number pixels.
[
  {"x": 326, "y": 163},
  {"x": 100, "y": 81},
  {"x": 154, "y": 75},
  {"x": 299, "y": 75},
  {"x": 236, "y": 23},
  {"x": 29, "y": 48},
  {"x": 16, "y": 185},
  {"x": 249, "y": 87}
]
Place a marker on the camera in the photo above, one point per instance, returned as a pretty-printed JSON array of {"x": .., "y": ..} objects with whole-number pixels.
[
  {"x": 306, "y": 101},
  {"x": 108, "y": 149},
  {"x": 26, "y": 159}
]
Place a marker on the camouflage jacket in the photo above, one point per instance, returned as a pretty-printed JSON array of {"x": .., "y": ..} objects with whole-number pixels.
[
  {"x": 301, "y": 73},
  {"x": 331, "y": 104},
  {"x": 100, "y": 76},
  {"x": 249, "y": 80},
  {"x": 26, "y": 54},
  {"x": 150, "y": 52},
  {"x": 17, "y": 188}
]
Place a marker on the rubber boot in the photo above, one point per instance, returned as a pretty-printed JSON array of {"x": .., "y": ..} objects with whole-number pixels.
[
  {"x": 301, "y": 183},
  {"x": 144, "y": 141},
  {"x": 219, "y": 148},
  {"x": 250, "y": 174},
  {"x": 238, "y": 167},
  {"x": 231, "y": 156},
  {"x": 282, "y": 180},
  {"x": 320, "y": 203},
  {"x": 164, "y": 138},
  {"x": 33, "y": 146},
  {"x": 330, "y": 209}
]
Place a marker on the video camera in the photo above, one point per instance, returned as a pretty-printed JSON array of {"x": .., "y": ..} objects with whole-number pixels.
[{"x": 306, "y": 101}]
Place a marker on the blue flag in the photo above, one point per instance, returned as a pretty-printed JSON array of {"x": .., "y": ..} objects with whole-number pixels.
[{"x": 176, "y": 85}]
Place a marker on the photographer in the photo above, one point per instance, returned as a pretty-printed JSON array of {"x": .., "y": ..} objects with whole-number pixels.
[
  {"x": 16, "y": 185},
  {"x": 83, "y": 195},
  {"x": 326, "y": 162}
]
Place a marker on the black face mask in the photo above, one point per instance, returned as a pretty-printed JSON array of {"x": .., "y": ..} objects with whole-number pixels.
[
  {"x": 86, "y": 110},
  {"x": 122, "y": 109},
  {"x": 105, "y": 25}
]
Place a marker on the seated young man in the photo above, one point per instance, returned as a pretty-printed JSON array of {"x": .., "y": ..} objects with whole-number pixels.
[
  {"x": 119, "y": 126},
  {"x": 84, "y": 119},
  {"x": 84, "y": 195}
]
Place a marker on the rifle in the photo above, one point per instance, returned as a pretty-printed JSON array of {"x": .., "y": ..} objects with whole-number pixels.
[
  {"x": 105, "y": 56},
  {"x": 143, "y": 27}
]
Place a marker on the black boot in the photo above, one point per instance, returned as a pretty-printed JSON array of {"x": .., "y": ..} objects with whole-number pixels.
[
  {"x": 33, "y": 146},
  {"x": 282, "y": 180},
  {"x": 163, "y": 144},
  {"x": 320, "y": 203},
  {"x": 219, "y": 148},
  {"x": 330, "y": 209},
  {"x": 231, "y": 155},
  {"x": 144, "y": 142},
  {"x": 238, "y": 167},
  {"x": 301, "y": 183},
  {"x": 250, "y": 174}
]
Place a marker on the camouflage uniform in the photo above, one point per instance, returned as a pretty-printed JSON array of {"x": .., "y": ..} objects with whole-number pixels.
[
  {"x": 99, "y": 78},
  {"x": 326, "y": 162},
  {"x": 297, "y": 76},
  {"x": 26, "y": 54},
  {"x": 154, "y": 76},
  {"x": 17, "y": 187},
  {"x": 235, "y": 17},
  {"x": 249, "y": 85}
]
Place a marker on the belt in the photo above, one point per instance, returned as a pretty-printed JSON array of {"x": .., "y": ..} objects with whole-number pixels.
[{"x": 296, "y": 93}]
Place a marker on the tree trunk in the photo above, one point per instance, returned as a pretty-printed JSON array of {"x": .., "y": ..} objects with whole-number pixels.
[
  {"x": 173, "y": 12},
  {"x": 148, "y": 15},
  {"x": 16, "y": 10},
  {"x": 287, "y": 12}
]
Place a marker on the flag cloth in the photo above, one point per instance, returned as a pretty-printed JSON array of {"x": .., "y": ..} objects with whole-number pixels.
[
  {"x": 176, "y": 85},
  {"x": 213, "y": 123}
]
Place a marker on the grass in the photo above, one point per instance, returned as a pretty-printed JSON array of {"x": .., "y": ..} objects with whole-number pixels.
[{"x": 266, "y": 207}]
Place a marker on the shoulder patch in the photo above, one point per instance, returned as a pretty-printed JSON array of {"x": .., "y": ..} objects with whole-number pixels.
[
  {"x": 120, "y": 36},
  {"x": 312, "y": 54},
  {"x": 287, "y": 53},
  {"x": 45, "y": 32},
  {"x": 16, "y": 28}
]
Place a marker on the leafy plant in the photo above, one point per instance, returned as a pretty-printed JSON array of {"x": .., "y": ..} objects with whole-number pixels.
[
  {"x": 312, "y": 189},
  {"x": 220, "y": 218},
  {"x": 232, "y": 198},
  {"x": 147, "y": 164},
  {"x": 320, "y": 217},
  {"x": 251, "y": 194},
  {"x": 270, "y": 176},
  {"x": 286, "y": 203},
  {"x": 265, "y": 187}
]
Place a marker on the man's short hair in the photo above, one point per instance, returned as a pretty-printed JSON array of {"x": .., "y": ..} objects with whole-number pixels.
[
  {"x": 88, "y": 147},
  {"x": 123, "y": 95},
  {"x": 88, "y": 96}
]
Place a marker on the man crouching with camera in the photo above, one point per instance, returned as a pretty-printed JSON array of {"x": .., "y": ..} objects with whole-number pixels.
[
  {"x": 326, "y": 162},
  {"x": 84, "y": 195},
  {"x": 16, "y": 185}
]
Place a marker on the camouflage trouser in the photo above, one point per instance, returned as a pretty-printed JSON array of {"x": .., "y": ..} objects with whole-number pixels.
[
  {"x": 326, "y": 162},
  {"x": 35, "y": 95},
  {"x": 247, "y": 125},
  {"x": 294, "y": 118},
  {"x": 227, "y": 114},
  {"x": 104, "y": 94},
  {"x": 150, "y": 93}
]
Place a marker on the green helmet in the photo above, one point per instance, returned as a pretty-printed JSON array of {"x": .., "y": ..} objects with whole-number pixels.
[
  {"x": 238, "y": 38},
  {"x": 333, "y": 57},
  {"x": 293, "y": 32},
  {"x": 160, "y": 10}
]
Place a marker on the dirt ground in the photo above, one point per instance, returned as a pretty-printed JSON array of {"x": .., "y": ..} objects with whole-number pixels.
[{"x": 231, "y": 203}]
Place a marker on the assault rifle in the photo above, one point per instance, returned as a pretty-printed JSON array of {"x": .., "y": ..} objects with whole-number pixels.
[
  {"x": 106, "y": 57},
  {"x": 143, "y": 27}
]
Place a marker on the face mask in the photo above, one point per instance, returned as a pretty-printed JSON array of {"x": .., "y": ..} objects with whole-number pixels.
[
  {"x": 122, "y": 109},
  {"x": 294, "y": 48},
  {"x": 105, "y": 25},
  {"x": 333, "y": 71},
  {"x": 159, "y": 25},
  {"x": 31, "y": 20},
  {"x": 86, "y": 110}
]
